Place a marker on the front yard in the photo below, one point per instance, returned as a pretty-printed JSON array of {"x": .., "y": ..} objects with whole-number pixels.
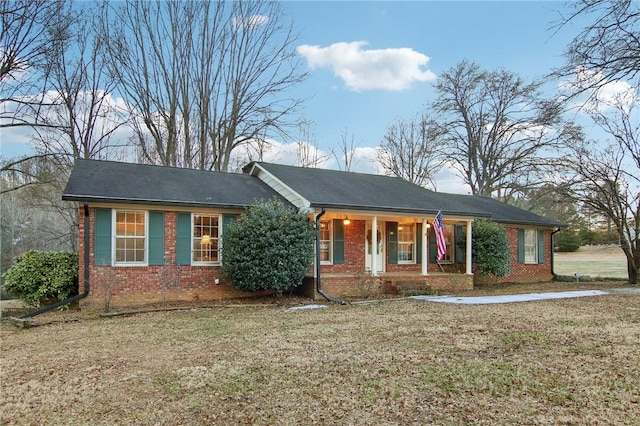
[{"x": 572, "y": 361}]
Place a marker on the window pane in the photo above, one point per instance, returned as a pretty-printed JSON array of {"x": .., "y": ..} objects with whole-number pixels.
[
  {"x": 130, "y": 236},
  {"x": 530, "y": 246},
  {"x": 325, "y": 241},
  {"x": 406, "y": 235},
  {"x": 205, "y": 238}
]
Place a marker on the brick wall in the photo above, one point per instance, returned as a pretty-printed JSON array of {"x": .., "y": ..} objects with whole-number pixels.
[
  {"x": 114, "y": 287},
  {"x": 521, "y": 272}
]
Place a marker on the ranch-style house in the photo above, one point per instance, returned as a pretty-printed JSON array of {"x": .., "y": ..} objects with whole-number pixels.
[{"x": 151, "y": 234}]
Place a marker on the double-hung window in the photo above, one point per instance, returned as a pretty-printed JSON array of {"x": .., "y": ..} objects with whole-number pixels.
[
  {"x": 530, "y": 246},
  {"x": 205, "y": 238},
  {"x": 406, "y": 242},
  {"x": 130, "y": 235},
  {"x": 325, "y": 241}
]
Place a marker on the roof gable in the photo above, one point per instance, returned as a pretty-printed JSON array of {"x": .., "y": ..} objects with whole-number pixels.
[{"x": 109, "y": 181}]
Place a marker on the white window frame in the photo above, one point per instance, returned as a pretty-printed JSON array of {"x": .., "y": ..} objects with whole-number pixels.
[
  {"x": 193, "y": 238},
  {"x": 530, "y": 246},
  {"x": 114, "y": 239},
  {"x": 329, "y": 228},
  {"x": 412, "y": 242}
]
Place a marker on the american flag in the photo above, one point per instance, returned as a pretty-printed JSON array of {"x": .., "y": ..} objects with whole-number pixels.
[{"x": 441, "y": 242}]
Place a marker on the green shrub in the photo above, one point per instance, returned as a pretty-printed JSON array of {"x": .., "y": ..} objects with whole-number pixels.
[
  {"x": 270, "y": 247},
  {"x": 37, "y": 276},
  {"x": 490, "y": 248},
  {"x": 566, "y": 240}
]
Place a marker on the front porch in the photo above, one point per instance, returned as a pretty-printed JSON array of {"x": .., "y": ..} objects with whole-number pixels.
[{"x": 345, "y": 285}]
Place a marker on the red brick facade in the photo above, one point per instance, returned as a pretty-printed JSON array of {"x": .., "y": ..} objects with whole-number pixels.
[
  {"x": 522, "y": 272},
  {"x": 113, "y": 287}
]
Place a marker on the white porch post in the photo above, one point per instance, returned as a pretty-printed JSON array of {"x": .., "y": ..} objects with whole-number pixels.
[
  {"x": 469, "y": 239},
  {"x": 425, "y": 247},
  {"x": 374, "y": 246}
]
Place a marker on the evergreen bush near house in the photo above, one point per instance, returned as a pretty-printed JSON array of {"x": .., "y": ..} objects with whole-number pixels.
[
  {"x": 490, "y": 248},
  {"x": 38, "y": 276},
  {"x": 566, "y": 240},
  {"x": 269, "y": 248}
]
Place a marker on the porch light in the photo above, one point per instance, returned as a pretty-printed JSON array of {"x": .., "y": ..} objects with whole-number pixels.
[{"x": 346, "y": 220}]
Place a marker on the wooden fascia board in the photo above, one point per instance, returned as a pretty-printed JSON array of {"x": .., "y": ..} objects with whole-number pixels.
[{"x": 258, "y": 171}]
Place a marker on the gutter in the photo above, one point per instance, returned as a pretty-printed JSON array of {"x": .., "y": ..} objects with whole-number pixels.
[
  {"x": 318, "y": 281},
  {"x": 86, "y": 275},
  {"x": 552, "y": 250}
]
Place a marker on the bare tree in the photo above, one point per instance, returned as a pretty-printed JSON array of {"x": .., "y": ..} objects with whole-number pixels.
[
  {"x": 30, "y": 28},
  {"x": 26, "y": 40},
  {"x": 345, "y": 153},
  {"x": 605, "y": 178},
  {"x": 307, "y": 152},
  {"x": 202, "y": 78},
  {"x": 410, "y": 150},
  {"x": 84, "y": 116},
  {"x": 496, "y": 127},
  {"x": 599, "y": 180},
  {"x": 609, "y": 46}
]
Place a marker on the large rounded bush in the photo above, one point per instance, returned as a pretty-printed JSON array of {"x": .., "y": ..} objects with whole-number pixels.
[
  {"x": 37, "y": 276},
  {"x": 270, "y": 247},
  {"x": 490, "y": 249}
]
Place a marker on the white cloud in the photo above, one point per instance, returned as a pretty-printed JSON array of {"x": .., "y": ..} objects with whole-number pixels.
[
  {"x": 249, "y": 22},
  {"x": 373, "y": 69},
  {"x": 607, "y": 95}
]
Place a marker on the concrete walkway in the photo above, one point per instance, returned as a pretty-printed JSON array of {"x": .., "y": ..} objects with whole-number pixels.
[{"x": 511, "y": 298}]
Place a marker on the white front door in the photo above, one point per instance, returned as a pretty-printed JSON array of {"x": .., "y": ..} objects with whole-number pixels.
[{"x": 378, "y": 243}]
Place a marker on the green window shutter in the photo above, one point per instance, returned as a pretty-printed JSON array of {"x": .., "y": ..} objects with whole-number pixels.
[
  {"x": 520, "y": 245},
  {"x": 102, "y": 237},
  {"x": 540, "y": 246},
  {"x": 227, "y": 220},
  {"x": 433, "y": 248},
  {"x": 460, "y": 239},
  {"x": 338, "y": 242},
  {"x": 418, "y": 243},
  {"x": 183, "y": 238},
  {"x": 392, "y": 236},
  {"x": 156, "y": 238}
]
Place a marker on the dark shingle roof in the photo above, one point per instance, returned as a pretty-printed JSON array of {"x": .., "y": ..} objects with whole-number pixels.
[
  {"x": 109, "y": 181},
  {"x": 348, "y": 190},
  {"x": 338, "y": 189}
]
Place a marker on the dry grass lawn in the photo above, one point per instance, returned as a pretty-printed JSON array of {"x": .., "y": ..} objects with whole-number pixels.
[
  {"x": 571, "y": 361},
  {"x": 595, "y": 261}
]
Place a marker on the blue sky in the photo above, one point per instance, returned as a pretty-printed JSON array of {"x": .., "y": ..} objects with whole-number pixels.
[
  {"x": 514, "y": 35},
  {"x": 373, "y": 62}
]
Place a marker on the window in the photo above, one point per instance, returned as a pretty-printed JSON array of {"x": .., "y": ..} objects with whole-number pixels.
[
  {"x": 449, "y": 237},
  {"x": 406, "y": 242},
  {"x": 325, "y": 241},
  {"x": 206, "y": 236},
  {"x": 130, "y": 237},
  {"x": 530, "y": 246}
]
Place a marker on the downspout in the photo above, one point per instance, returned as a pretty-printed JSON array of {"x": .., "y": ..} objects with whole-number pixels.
[
  {"x": 552, "y": 251},
  {"x": 318, "y": 281},
  {"x": 85, "y": 270}
]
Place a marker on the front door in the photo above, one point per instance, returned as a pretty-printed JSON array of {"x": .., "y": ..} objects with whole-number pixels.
[{"x": 372, "y": 242}]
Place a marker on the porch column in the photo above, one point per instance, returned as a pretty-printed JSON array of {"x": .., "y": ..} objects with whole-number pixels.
[
  {"x": 425, "y": 247},
  {"x": 469, "y": 239},
  {"x": 374, "y": 246}
]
